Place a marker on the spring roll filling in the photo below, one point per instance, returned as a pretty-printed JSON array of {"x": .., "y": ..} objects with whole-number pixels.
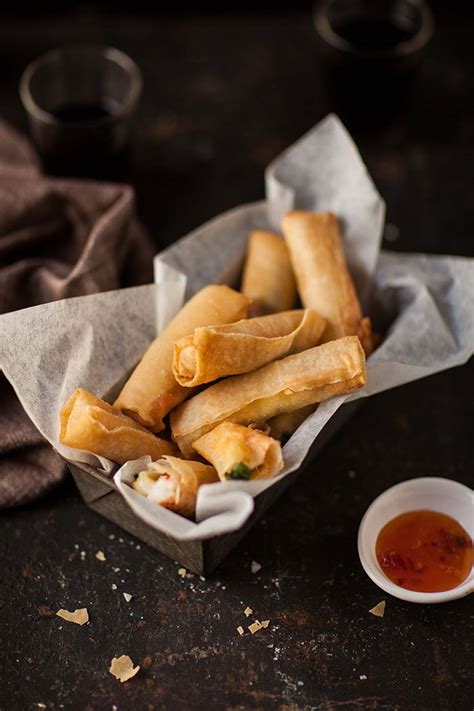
[{"x": 159, "y": 486}]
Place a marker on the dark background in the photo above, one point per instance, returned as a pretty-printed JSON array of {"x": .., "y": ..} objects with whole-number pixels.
[{"x": 225, "y": 91}]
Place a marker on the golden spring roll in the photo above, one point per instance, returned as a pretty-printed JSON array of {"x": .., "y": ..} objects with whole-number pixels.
[
  {"x": 282, "y": 426},
  {"x": 152, "y": 391},
  {"x": 239, "y": 452},
  {"x": 173, "y": 483},
  {"x": 92, "y": 424},
  {"x": 268, "y": 278},
  {"x": 214, "y": 352},
  {"x": 324, "y": 282},
  {"x": 281, "y": 386}
]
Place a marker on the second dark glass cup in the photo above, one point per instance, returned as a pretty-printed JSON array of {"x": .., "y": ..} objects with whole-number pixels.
[
  {"x": 80, "y": 102},
  {"x": 371, "y": 50}
]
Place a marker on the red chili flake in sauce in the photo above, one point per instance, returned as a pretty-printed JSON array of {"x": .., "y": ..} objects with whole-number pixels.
[{"x": 425, "y": 551}]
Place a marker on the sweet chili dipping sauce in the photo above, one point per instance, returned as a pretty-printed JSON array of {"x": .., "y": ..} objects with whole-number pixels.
[{"x": 425, "y": 551}]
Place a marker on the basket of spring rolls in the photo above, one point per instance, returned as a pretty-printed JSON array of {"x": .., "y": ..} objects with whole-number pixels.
[
  {"x": 184, "y": 408},
  {"x": 234, "y": 373}
]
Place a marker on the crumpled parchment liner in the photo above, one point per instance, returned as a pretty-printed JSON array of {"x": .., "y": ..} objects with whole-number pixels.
[{"x": 424, "y": 304}]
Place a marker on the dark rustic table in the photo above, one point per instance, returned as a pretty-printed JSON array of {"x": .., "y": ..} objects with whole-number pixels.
[{"x": 224, "y": 93}]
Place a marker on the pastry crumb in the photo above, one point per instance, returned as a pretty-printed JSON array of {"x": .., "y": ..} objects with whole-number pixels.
[
  {"x": 122, "y": 668},
  {"x": 127, "y": 597},
  {"x": 182, "y": 572},
  {"x": 379, "y": 609},
  {"x": 255, "y": 626},
  {"x": 248, "y": 611},
  {"x": 79, "y": 617},
  {"x": 265, "y": 623},
  {"x": 363, "y": 677},
  {"x": 255, "y": 567},
  {"x": 100, "y": 555},
  {"x": 240, "y": 629}
]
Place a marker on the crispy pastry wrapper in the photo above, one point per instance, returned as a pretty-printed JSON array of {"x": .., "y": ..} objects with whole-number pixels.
[
  {"x": 421, "y": 303},
  {"x": 324, "y": 281},
  {"x": 268, "y": 278},
  {"x": 288, "y": 384},
  {"x": 173, "y": 483},
  {"x": 282, "y": 426},
  {"x": 215, "y": 352},
  {"x": 229, "y": 444},
  {"x": 152, "y": 391},
  {"x": 91, "y": 424}
]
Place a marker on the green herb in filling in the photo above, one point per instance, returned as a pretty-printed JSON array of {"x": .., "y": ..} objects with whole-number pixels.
[{"x": 239, "y": 471}]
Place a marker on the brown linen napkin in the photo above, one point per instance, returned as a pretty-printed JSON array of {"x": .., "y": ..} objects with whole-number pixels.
[{"x": 58, "y": 238}]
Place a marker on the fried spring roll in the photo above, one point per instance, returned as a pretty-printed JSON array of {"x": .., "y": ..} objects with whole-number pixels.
[
  {"x": 93, "y": 425},
  {"x": 282, "y": 426},
  {"x": 152, "y": 391},
  {"x": 324, "y": 282},
  {"x": 173, "y": 483},
  {"x": 282, "y": 386},
  {"x": 239, "y": 452},
  {"x": 217, "y": 351},
  {"x": 268, "y": 278}
]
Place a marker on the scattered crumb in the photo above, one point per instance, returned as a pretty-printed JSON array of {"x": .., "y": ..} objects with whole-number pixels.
[
  {"x": 255, "y": 626},
  {"x": 138, "y": 548},
  {"x": 379, "y": 609},
  {"x": 116, "y": 570},
  {"x": 248, "y": 611},
  {"x": 201, "y": 577},
  {"x": 240, "y": 629},
  {"x": 265, "y": 623},
  {"x": 40, "y": 705},
  {"x": 362, "y": 677},
  {"x": 114, "y": 587},
  {"x": 79, "y": 617},
  {"x": 100, "y": 555},
  {"x": 255, "y": 567},
  {"x": 111, "y": 536},
  {"x": 83, "y": 555},
  {"x": 182, "y": 572},
  {"x": 127, "y": 597},
  {"x": 351, "y": 474},
  {"x": 122, "y": 668}
]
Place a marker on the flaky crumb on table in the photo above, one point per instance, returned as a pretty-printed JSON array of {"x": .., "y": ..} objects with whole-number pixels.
[
  {"x": 122, "y": 668},
  {"x": 79, "y": 617}
]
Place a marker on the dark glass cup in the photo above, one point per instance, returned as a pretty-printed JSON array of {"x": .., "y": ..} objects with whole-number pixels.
[
  {"x": 80, "y": 102},
  {"x": 371, "y": 50}
]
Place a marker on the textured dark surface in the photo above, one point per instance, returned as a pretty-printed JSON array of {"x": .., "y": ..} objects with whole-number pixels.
[{"x": 223, "y": 95}]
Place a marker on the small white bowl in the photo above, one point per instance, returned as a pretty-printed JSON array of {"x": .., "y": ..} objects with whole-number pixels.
[{"x": 428, "y": 493}]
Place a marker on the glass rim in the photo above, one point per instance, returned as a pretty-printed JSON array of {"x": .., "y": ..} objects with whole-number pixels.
[
  {"x": 401, "y": 49},
  {"x": 116, "y": 55}
]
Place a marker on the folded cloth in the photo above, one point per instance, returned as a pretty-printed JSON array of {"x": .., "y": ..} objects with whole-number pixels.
[{"x": 58, "y": 238}]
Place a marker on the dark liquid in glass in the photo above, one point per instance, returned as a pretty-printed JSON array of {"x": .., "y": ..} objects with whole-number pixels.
[
  {"x": 373, "y": 34},
  {"x": 77, "y": 113},
  {"x": 85, "y": 142}
]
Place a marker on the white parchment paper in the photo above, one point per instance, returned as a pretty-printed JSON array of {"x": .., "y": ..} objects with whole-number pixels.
[{"x": 425, "y": 305}]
